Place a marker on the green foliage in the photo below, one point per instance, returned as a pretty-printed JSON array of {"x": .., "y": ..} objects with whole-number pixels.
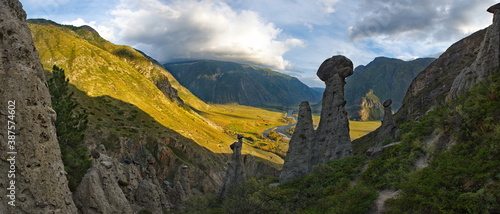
[
  {"x": 328, "y": 190},
  {"x": 70, "y": 128},
  {"x": 465, "y": 178},
  {"x": 393, "y": 166},
  {"x": 255, "y": 197}
]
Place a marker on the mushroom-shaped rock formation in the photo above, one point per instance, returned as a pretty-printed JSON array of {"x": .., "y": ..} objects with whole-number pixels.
[
  {"x": 331, "y": 140},
  {"x": 234, "y": 173},
  {"x": 494, "y": 9},
  {"x": 387, "y": 103}
]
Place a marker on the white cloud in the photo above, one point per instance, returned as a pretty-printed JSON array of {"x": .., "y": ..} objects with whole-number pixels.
[
  {"x": 206, "y": 29},
  {"x": 328, "y": 5},
  {"x": 104, "y": 31}
]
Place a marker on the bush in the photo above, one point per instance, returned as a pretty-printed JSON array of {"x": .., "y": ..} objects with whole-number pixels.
[
  {"x": 465, "y": 177},
  {"x": 393, "y": 166}
]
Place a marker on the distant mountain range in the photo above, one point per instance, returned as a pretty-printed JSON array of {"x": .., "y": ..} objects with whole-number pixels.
[
  {"x": 229, "y": 82},
  {"x": 383, "y": 78}
]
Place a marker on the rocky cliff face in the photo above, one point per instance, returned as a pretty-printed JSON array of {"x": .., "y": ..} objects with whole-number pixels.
[
  {"x": 433, "y": 84},
  {"x": 113, "y": 187},
  {"x": 330, "y": 141},
  {"x": 36, "y": 181},
  {"x": 460, "y": 67},
  {"x": 385, "y": 78},
  {"x": 486, "y": 62}
]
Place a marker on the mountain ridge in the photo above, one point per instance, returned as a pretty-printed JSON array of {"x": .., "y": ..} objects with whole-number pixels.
[
  {"x": 388, "y": 78},
  {"x": 229, "y": 82}
]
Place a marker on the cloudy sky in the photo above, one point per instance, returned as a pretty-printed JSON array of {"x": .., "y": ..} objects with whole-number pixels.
[{"x": 290, "y": 36}]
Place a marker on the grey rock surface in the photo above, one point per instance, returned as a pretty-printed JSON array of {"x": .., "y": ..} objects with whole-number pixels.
[
  {"x": 331, "y": 140},
  {"x": 235, "y": 171},
  {"x": 388, "y": 127},
  {"x": 37, "y": 169},
  {"x": 487, "y": 60},
  {"x": 297, "y": 163},
  {"x": 122, "y": 188}
]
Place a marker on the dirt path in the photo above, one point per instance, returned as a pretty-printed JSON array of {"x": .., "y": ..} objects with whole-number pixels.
[{"x": 382, "y": 197}]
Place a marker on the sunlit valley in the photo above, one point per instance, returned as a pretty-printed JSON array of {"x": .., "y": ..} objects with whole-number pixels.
[{"x": 108, "y": 128}]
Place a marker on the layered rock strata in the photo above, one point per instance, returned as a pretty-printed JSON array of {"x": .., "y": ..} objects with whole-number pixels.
[
  {"x": 331, "y": 140},
  {"x": 33, "y": 177}
]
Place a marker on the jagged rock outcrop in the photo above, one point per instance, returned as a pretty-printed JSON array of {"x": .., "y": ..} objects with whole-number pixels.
[
  {"x": 387, "y": 78},
  {"x": 169, "y": 91},
  {"x": 432, "y": 85},
  {"x": 371, "y": 108},
  {"x": 387, "y": 131},
  {"x": 120, "y": 188},
  {"x": 331, "y": 140},
  {"x": 486, "y": 62},
  {"x": 459, "y": 68},
  {"x": 388, "y": 127},
  {"x": 235, "y": 171},
  {"x": 33, "y": 179}
]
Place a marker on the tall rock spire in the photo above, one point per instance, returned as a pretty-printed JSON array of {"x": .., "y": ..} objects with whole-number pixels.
[
  {"x": 331, "y": 140},
  {"x": 36, "y": 182},
  {"x": 235, "y": 172}
]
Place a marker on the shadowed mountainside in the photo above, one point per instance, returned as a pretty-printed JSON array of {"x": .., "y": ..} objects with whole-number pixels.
[
  {"x": 386, "y": 78},
  {"x": 228, "y": 82}
]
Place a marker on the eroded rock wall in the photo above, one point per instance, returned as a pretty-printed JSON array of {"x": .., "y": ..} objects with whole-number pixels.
[{"x": 40, "y": 184}]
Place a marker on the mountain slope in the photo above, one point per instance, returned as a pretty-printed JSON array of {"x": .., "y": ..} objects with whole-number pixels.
[
  {"x": 388, "y": 78},
  {"x": 228, "y": 82},
  {"x": 445, "y": 159},
  {"x": 100, "y": 68}
]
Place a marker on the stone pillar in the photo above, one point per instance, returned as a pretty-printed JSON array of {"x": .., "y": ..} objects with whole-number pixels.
[
  {"x": 298, "y": 156},
  {"x": 331, "y": 141},
  {"x": 235, "y": 171},
  {"x": 35, "y": 173},
  {"x": 388, "y": 127}
]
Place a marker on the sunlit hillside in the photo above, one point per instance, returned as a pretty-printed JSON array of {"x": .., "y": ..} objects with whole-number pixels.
[{"x": 102, "y": 69}]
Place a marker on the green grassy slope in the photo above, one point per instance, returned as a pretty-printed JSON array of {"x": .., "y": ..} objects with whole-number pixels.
[
  {"x": 99, "y": 72},
  {"x": 99, "y": 69}
]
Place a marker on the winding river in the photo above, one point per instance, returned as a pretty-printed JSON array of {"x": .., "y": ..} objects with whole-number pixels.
[{"x": 281, "y": 129}]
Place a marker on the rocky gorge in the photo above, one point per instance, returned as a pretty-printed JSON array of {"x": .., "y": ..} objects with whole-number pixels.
[{"x": 323, "y": 171}]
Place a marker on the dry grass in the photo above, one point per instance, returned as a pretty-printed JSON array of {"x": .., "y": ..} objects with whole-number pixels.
[{"x": 357, "y": 128}]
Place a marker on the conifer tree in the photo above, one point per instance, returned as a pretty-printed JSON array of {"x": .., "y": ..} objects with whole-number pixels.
[{"x": 70, "y": 127}]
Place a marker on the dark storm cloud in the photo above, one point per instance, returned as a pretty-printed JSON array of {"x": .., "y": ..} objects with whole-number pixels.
[{"x": 422, "y": 18}]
